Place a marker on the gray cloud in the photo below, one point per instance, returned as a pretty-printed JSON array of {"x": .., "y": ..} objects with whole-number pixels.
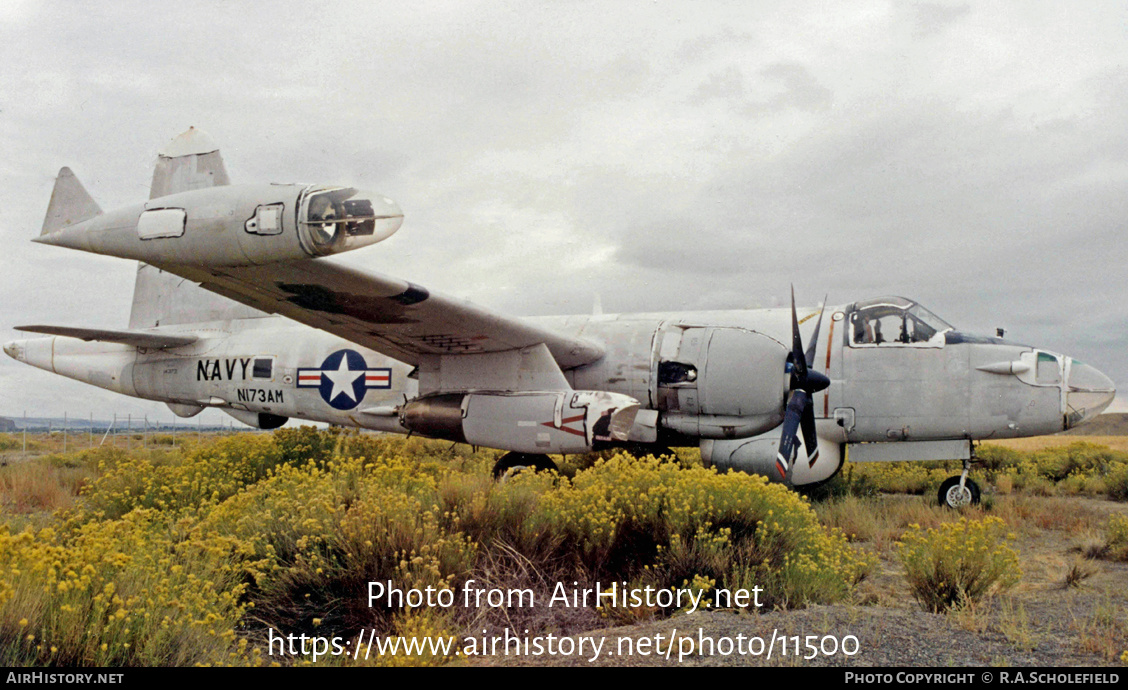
[{"x": 666, "y": 156}]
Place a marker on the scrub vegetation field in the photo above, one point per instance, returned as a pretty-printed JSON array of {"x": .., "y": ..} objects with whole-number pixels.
[{"x": 190, "y": 551}]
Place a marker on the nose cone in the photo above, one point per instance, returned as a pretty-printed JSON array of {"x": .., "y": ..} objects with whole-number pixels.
[
  {"x": 1087, "y": 393},
  {"x": 12, "y": 349}
]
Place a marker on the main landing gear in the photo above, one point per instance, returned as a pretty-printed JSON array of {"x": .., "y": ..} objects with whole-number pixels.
[
  {"x": 957, "y": 492},
  {"x": 522, "y": 461}
]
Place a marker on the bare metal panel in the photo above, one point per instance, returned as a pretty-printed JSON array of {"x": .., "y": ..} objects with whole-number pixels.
[
  {"x": 910, "y": 450},
  {"x": 527, "y": 369}
]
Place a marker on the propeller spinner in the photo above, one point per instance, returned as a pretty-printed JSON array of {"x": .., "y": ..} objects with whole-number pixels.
[{"x": 805, "y": 382}]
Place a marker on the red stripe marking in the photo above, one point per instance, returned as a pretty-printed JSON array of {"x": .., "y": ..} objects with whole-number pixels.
[
  {"x": 782, "y": 470},
  {"x": 566, "y": 429}
]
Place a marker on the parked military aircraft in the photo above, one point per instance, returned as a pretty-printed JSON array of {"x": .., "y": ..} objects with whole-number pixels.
[{"x": 237, "y": 306}]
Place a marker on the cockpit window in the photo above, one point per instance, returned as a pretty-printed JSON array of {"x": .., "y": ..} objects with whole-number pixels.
[{"x": 893, "y": 320}]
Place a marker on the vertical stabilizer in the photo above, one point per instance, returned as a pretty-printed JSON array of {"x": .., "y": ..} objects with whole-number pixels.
[
  {"x": 190, "y": 161},
  {"x": 70, "y": 204}
]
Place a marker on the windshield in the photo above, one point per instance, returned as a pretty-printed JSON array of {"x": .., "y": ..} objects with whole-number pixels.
[{"x": 891, "y": 320}]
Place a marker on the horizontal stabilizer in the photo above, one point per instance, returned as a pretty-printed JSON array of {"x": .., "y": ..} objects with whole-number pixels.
[
  {"x": 135, "y": 338},
  {"x": 70, "y": 204}
]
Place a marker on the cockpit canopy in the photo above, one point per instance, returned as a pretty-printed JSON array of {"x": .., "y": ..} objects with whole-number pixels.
[
  {"x": 337, "y": 219},
  {"x": 893, "y": 321}
]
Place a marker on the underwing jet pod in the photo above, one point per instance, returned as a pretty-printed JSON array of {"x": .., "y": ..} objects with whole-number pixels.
[{"x": 238, "y": 305}]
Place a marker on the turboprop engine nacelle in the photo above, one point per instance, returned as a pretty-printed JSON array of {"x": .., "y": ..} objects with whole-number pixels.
[
  {"x": 233, "y": 225},
  {"x": 525, "y": 422},
  {"x": 758, "y": 456}
]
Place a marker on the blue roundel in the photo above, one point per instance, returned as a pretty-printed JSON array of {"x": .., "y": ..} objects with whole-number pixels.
[{"x": 343, "y": 379}]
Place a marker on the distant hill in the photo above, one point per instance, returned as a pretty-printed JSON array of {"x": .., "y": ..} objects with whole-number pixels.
[{"x": 1108, "y": 424}]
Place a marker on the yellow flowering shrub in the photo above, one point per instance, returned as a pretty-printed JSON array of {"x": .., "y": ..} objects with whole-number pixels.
[
  {"x": 121, "y": 592},
  {"x": 958, "y": 561},
  {"x": 321, "y": 532},
  {"x": 737, "y": 529},
  {"x": 206, "y": 474},
  {"x": 1116, "y": 537},
  {"x": 169, "y": 552}
]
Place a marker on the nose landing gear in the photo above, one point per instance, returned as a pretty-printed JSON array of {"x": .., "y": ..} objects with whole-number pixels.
[{"x": 957, "y": 492}]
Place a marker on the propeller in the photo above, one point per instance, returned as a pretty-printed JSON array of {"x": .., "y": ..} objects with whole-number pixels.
[{"x": 805, "y": 382}]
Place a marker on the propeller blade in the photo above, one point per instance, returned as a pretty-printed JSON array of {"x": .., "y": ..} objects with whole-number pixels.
[
  {"x": 815, "y": 336},
  {"x": 789, "y": 440},
  {"x": 810, "y": 438},
  {"x": 798, "y": 359}
]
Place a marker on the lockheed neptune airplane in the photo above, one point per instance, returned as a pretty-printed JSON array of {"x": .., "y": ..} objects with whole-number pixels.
[{"x": 237, "y": 306}]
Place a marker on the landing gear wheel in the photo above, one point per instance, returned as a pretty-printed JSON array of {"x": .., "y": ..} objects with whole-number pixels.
[
  {"x": 522, "y": 461},
  {"x": 952, "y": 497}
]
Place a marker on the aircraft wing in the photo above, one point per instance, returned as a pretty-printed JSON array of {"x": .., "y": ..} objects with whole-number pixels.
[
  {"x": 125, "y": 337},
  {"x": 386, "y": 314}
]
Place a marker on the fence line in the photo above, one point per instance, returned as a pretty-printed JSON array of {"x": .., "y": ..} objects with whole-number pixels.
[{"x": 114, "y": 431}]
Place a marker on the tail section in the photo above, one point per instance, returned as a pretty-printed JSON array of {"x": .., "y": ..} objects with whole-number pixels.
[
  {"x": 70, "y": 204},
  {"x": 161, "y": 298},
  {"x": 190, "y": 161}
]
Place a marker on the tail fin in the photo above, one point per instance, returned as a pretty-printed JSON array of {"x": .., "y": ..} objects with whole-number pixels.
[
  {"x": 161, "y": 298},
  {"x": 70, "y": 204},
  {"x": 190, "y": 161}
]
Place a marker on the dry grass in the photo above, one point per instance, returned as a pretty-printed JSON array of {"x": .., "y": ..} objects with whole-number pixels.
[
  {"x": 37, "y": 485},
  {"x": 1103, "y": 632},
  {"x": 1014, "y": 623},
  {"x": 1039, "y": 442},
  {"x": 1079, "y": 571}
]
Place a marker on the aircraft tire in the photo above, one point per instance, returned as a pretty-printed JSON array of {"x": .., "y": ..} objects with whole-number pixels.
[
  {"x": 951, "y": 496},
  {"x": 522, "y": 461}
]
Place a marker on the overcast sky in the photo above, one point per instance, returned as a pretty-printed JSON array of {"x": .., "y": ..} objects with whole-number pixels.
[{"x": 665, "y": 155}]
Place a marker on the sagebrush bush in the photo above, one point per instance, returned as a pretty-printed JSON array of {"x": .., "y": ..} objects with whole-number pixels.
[
  {"x": 960, "y": 561},
  {"x": 187, "y": 556},
  {"x": 621, "y": 514},
  {"x": 117, "y": 593},
  {"x": 1116, "y": 538}
]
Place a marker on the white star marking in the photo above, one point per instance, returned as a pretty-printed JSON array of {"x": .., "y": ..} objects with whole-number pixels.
[{"x": 343, "y": 379}]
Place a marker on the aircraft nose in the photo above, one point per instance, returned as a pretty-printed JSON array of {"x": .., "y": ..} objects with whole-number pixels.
[
  {"x": 12, "y": 349},
  {"x": 1087, "y": 393}
]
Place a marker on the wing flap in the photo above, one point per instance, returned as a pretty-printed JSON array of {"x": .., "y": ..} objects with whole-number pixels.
[{"x": 155, "y": 341}]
